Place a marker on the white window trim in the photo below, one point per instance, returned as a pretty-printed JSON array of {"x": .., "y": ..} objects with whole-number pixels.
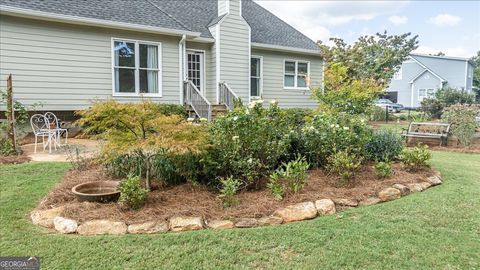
[
  {"x": 260, "y": 91},
  {"x": 295, "y": 87},
  {"x": 426, "y": 93},
  {"x": 202, "y": 73},
  {"x": 137, "y": 68}
]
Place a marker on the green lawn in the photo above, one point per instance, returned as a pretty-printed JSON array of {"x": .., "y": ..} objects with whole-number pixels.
[{"x": 436, "y": 229}]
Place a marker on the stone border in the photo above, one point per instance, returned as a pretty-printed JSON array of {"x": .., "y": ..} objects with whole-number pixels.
[{"x": 52, "y": 218}]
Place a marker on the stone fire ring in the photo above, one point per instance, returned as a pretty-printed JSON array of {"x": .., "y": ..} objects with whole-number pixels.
[{"x": 52, "y": 218}]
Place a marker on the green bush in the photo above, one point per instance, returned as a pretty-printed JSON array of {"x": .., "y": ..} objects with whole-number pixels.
[
  {"x": 229, "y": 188},
  {"x": 172, "y": 109},
  {"x": 462, "y": 119},
  {"x": 132, "y": 194},
  {"x": 384, "y": 145},
  {"x": 6, "y": 147},
  {"x": 383, "y": 169},
  {"x": 330, "y": 133},
  {"x": 449, "y": 96},
  {"x": 289, "y": 178},
  {"x": 432, "y": 107},
  {"x": 344, "y": 164},
  {"x": 297, "y": 116},
  {"x": 416, "y": 158}
]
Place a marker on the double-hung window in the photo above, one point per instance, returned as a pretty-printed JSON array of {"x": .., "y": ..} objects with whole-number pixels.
[
  {"x": 425, "y": 93},
  {"x": 296, "y": 74},
  {"x": 136, "y": 68}
]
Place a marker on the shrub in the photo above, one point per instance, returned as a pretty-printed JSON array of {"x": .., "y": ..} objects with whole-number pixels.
[
  {"x": 289, "y": 178},
  {"x": 229, "y": 188},
  {"x": 449, "y": 96},
  {"x": 383, "y": 169},
  {"x": 416, "y": 158},
  {"x": 6, "y": 147},
  {"x": 384, "y": 145},
  {"x": 344, "y": 164},
  {"x": 462, "y": 119},
  {"x": 330, "y": 133},
  {"x": 297, "y": 116},
  {"x": 132, "y": 194},
  {"x": 172, "y": 109},
  {"x": 247, "y": 143},
  {"x": 432, "y": 107}
]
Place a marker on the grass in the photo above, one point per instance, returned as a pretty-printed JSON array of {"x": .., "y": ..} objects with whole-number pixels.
[{"x": 436, "y": 229}]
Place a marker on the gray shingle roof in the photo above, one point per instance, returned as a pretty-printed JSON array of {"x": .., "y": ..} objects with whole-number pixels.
[{"x": 186, "y": 15}]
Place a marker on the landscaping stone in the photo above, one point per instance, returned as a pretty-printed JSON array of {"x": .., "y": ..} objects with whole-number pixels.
[
  {"x": 45, "y": 218},
  {"x": 403, "y": 189},
  {"x": 389, "y": 194},
  {"x": 220, "y": 224},
  {"x": 425, "y": 185},
  {"x": 325, "y": 207},
  {"x": 148, "y": 227},
  {"x": 434, "y": 180},
  {"x": 270, "y": 220},
  {"x": 65, "y": 225},
  {"x": 95, "y": 227},
  {"x": 346, "y": 202},
  {"x": 370, "y": 201},
  {"x": 296, "y": 212},
  {"x": 180, "y": 224},
  {"x": 415, "y": 187},
  {"x": 246, "y": 223}
]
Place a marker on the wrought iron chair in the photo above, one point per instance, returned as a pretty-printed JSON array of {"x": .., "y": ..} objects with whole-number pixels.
[
  {"x": 41, "y": 128},
  {"x": 54, "y": 125}
]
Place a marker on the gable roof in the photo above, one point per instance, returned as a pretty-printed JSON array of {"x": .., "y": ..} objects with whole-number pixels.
[
  {"x": 187, "y": 15},
  {"x": 426, "y": 68}
]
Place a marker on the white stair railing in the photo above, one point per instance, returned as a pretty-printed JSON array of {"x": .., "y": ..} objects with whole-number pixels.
[
  {"x": 226, "y": 95},
  {"x": 194, "y": 98}
]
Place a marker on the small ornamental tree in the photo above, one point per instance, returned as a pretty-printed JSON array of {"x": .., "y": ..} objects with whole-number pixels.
[{"x": 140, "y": 128}]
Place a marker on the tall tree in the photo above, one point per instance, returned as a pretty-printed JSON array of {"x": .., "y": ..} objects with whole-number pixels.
[
  {"x": 476, "y": 75},
  {"x": 375, "y": 57}
]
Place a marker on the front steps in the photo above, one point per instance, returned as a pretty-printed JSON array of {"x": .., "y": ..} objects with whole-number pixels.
[{"x": 217, "y": 109}]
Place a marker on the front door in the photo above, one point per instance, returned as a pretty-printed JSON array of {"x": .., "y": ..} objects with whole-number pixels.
[{"x": 195, "y": 72}]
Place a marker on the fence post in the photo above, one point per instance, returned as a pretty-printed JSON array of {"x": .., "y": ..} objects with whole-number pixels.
[{"x": 11, "y": 113}]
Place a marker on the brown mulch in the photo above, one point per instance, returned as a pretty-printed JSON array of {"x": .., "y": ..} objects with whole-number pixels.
[
  {"x": 198, "y": 201},
  {"x": 14, "y": 159}
]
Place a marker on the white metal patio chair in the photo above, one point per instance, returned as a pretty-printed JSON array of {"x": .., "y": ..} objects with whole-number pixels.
[
  {"x": 41, "y": 128},
  {"x": 54, "y": 125}
]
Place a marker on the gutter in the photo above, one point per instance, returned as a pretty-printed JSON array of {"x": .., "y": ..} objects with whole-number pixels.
[
  {"x": 256, "y": 45},
  {"x": 54, "y": 17}
]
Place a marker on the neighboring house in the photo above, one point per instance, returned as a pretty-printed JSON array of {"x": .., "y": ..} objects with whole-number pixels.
[
  {"x": 420, "y": 76},
  {"x": 65, "y": 54}
]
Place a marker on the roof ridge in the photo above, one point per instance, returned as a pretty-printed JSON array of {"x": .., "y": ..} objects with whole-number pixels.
[{"x": 170, "y": 16}]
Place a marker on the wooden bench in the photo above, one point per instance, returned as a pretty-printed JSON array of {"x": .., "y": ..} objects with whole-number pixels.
[{"x": 427, "y": 130}]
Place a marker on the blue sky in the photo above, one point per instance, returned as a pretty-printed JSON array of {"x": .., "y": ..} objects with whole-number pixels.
[{"x": 452, "y": 27}]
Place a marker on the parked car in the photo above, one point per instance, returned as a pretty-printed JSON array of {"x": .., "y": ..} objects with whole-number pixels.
[{"x": 386, "y": 103}]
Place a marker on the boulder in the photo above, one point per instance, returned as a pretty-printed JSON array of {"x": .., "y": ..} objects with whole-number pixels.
[
  {"x": 346, "y": 202},
  {"x": 403, "y": 189},
  {"x": 270, "y": 220},
  {"x": 389, "y": 194},
  {"x": 65, "y": 225},
  {"x": 246, "y": 223},
  {"x": 45, "y": 218},
  {"x": 370, "y": 201},
  {"x": 148, "y": 227},
  {"x": 180, "y": 224},
  {"x": 95, "y": 227},
  {"x": 434, "y": 180},
  {"x": 296, "y": 212},
  {"x": 425, "y": 185},
  {"x": 325, "y": 207},
  {"x": 415, "y": 188},
  {"x": 220, "y": 224}
]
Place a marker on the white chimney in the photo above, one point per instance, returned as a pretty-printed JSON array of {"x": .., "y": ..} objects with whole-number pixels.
[{"x": 233, "y": 7}]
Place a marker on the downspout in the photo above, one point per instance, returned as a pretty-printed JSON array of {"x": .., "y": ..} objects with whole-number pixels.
[
  {"x": 411, "y": 95},
  {"x": 181, "y": 66}
]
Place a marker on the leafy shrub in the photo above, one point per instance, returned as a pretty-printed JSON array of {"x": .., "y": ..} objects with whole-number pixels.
[
  {"x": 289, "y": 178},
  {"x": 432, "y": 107},
  {"x": 247, "y": 143},
  {"x": 132, "y": 194},
  {"x": 384, "y": 145},
  {"x": 229, "y": 188},
  {"x": 462, "y": 119},
  {"x": 330, "y": 133},
  {"x": 6, "y": 147},
  {"x": 344, "y": 164},
  {"x": 449, "y": 96},
  {"x": 383, "y": 169},
  {"x": 416, "y": 158},
  {"x": 172, "y": 109},
  {"x": 297, "y": 116}
]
